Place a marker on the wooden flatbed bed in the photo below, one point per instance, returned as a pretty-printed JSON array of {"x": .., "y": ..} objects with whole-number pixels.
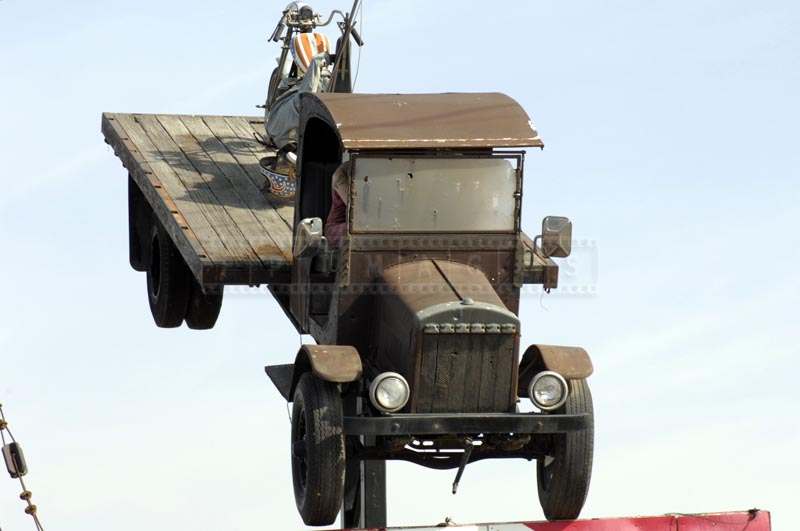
[{"x": 200, "y": 175}]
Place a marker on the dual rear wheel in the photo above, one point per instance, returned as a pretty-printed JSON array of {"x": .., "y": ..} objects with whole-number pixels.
[{"x": 174, "y": 294}]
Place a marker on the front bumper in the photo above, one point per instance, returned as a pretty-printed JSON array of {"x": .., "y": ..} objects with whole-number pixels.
[{"x": 418, "y": 424}]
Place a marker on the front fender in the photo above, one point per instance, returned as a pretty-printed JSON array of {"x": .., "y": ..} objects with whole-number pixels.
[
  {"x": 573, "y": 363},
  {"x": 332, "y": 363}
]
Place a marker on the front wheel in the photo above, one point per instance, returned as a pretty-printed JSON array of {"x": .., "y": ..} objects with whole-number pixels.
[
  {"x": 563, "y": 475},
  {"x": 318, "y": 458}
]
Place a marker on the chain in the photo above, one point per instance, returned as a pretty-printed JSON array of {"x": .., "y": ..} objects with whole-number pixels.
[{"x": 26, "y": 495}]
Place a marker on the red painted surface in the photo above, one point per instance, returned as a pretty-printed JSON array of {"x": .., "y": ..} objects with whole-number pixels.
[
  {"x": 755, "y": 521},
  {"x": 742, "y": 521}
]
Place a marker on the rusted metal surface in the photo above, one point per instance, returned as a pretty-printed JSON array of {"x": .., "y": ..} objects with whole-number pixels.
[
  {"x": 460, "y": 354},
  {"x": 426, "y": 121},
  {"x": 333, "y": 363},
  {"x": 425, "y": 283},
  {"x": 570, "y": 362}
]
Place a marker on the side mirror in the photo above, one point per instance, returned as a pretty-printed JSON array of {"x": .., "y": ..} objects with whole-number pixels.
[
  {"x": 308, "y": 238},
  {"x": 556, "y": 236}
]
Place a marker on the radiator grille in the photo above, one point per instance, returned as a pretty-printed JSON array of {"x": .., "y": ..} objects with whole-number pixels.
[{"x": 465, "y": 373}]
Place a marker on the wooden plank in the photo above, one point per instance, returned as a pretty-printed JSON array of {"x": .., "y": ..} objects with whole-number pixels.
[
  {"x": 445, "y": 359},
  {"x": 231, "y": 187},
  {"x": 248, "y": 153},
  {"x": 218, "y": 153},
  {"x": 242, "y": 128},
  {"x": 427, "y": 374},
  {"x": 458, "y": 379},
  {"x": 197, "y": 191},
  {"x": 488, "y": 374},
  {"x": 472, "y": 372},
  {"x": 196, "y": 240},
  {"x": 159, "y": 171},
  {"x": 503, "y": 345}
]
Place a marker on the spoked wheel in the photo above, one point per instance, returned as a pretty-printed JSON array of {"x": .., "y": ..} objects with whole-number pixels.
[
  {"x": 168, "y": 280},
  {"x": 563, "y": 475},
  {"x": 318, "y": 457}
]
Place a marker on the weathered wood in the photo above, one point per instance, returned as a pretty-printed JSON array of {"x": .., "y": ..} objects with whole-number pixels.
[
  {"x": 205, "y": 188},
  {"x": 155, "y": 179},
  {"x": 244, "y": 127},
  {"x": 235, "y": 193},
  {"x": 196, "y": 189},
  {"x": 228, "y": 166}
]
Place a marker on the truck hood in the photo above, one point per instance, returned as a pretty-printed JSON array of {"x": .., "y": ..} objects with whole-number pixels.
[{"x": 449, "y": 297}]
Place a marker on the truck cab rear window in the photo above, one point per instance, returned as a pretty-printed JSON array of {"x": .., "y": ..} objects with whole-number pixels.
[{"x": 433, "y": 195}]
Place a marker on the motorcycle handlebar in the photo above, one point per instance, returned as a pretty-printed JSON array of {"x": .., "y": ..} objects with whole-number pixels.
[{"x": 285, "y": 20}]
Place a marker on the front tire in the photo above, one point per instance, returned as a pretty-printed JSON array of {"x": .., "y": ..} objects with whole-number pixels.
[
  {"x": 563, "y": 476},
  {"x": 318, "y": 456}
]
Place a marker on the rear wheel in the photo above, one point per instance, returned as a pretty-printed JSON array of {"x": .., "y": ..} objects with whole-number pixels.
[
  {"x": 168, "y": 280},
  {"x": 203, "y": 308},
  {"x": 140, "y": 220},
  {"x": 563, "y": 475},
  {"x": 318, "y": 457}
]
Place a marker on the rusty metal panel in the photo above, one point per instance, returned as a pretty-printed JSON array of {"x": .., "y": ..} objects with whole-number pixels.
[
  {"x": 334, "y": 363},
  {"x": 426, "y": 121},
  {"x": 570, "y": 362},
  {"x": 424, "y": 283}
]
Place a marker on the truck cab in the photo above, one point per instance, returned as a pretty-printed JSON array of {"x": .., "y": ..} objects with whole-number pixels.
[{"x": 415, "y": 311}]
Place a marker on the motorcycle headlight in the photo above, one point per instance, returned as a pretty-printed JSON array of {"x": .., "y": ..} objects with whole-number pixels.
[
  {"x": 389, "y": 392},
  {"x": 548, "y": 390}
]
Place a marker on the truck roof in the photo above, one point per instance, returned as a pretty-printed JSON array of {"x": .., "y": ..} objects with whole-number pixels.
[{"x": 425, "y": 121}]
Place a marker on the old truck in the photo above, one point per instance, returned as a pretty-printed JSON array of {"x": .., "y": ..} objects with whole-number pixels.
[{"x": 415, "y": 312}]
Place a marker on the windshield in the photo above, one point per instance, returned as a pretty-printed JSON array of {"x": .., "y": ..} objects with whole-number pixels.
[{"x": 433, "y": 195}]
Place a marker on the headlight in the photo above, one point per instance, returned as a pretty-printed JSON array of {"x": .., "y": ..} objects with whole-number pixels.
[
  {"x": 389, "y": 392},
  {"x": 548, "y": 390}
]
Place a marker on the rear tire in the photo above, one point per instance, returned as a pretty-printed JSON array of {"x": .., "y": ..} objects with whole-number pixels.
[
  {"x": 563, "y": 476},
  {"x": 203, "y": 308},
  {"x": 140, "y": 220},
  {"x": 318, "y": 456},
  {"x": 168, "y": 280}
]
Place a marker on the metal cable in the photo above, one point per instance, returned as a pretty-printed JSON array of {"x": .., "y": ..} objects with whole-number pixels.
[
  {"x": 26, "y": 494},
  {"x": 361, "y": 31}
]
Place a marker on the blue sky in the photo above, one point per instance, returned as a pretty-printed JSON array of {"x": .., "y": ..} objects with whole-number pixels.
[{"x": 670, "y": 131}]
